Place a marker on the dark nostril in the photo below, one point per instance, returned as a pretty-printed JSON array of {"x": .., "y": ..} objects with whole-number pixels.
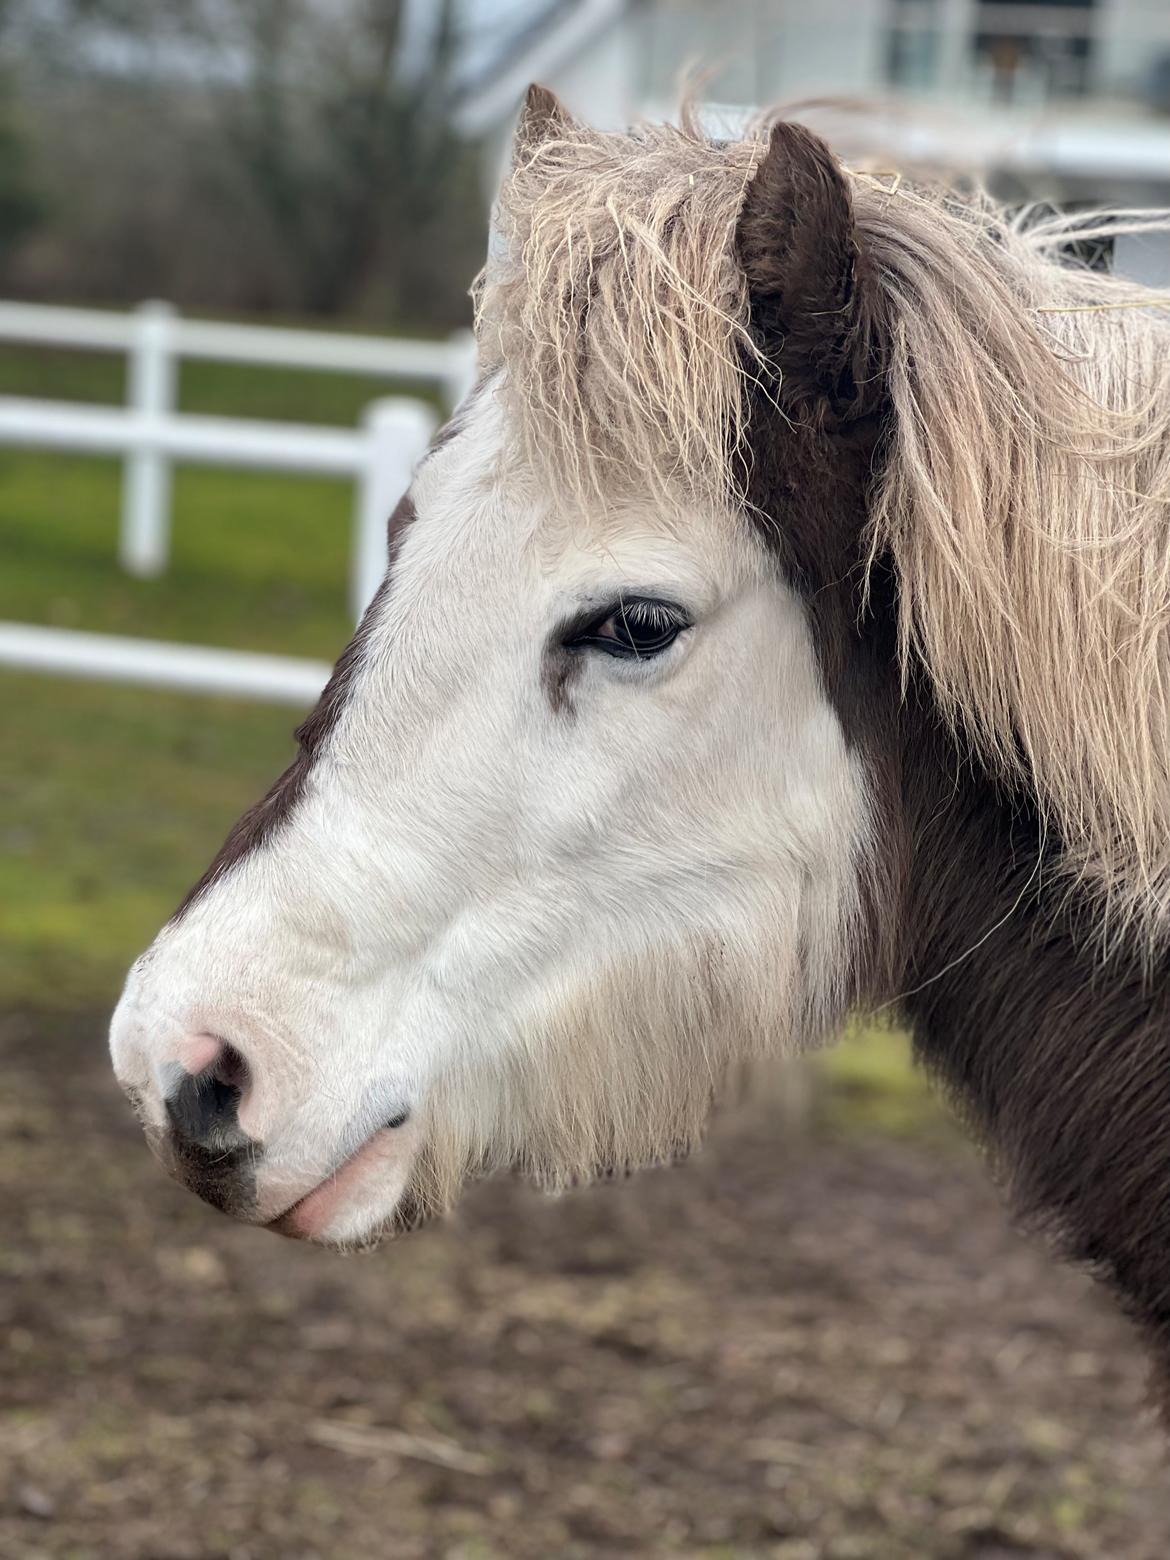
[
  {"x": 400, "y": 1120},
  {"x": 230, "y": 1071},
  {"x": 203, "y": 1108}
]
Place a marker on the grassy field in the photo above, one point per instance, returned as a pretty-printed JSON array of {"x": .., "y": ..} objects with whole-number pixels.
[{"x": 113, "y": 799}]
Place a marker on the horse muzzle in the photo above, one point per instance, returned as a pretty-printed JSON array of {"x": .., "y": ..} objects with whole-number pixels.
[{"x": 221, "y": 1130}]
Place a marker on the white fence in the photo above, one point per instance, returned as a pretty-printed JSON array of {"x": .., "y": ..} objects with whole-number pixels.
[
  {"x": 155, "y": 663},
  {"x": 155, "y": 340},
  {"x": 150, "y": 435}
]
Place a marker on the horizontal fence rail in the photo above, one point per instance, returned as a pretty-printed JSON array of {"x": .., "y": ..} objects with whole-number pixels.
[
  {"x": 153, "y": 663},
  {"x": 149, "y": 435},
  {"x": 381, "y": 455},
  {"x": 156, "y": 339},
  {"x": 449, "y": 364},
  {"x": 217, "y": 441}
]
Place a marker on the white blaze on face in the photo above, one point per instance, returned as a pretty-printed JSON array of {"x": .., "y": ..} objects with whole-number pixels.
[{"x": 532, "y": 898}]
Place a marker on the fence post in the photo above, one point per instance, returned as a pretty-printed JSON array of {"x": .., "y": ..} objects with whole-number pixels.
[
  {"x": 460, "y": 377},
  {"x": 398, "y": 431},
  {"x": 144, "y": 542}
]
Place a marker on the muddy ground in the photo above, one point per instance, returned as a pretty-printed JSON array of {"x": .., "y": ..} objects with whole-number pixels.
[{"x": 827, "y": 1349}]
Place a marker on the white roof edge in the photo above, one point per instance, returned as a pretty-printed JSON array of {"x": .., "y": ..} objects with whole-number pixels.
[
  {"x": 1073, "y": 146},
  {"x": 500, "y": 98},
  {"x": 1088, "y": 146}
]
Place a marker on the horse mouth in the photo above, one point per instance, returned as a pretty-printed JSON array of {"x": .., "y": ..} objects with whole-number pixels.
[{"x": 364, "y": 1201}]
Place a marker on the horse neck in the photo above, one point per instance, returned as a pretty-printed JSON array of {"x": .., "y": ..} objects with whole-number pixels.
[
  {"x": 1055, "y": 1049},
  {"x": 1057, "y": 1054}
]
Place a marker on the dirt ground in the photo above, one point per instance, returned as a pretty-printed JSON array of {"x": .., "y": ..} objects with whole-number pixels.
[{"x": 822, "y": 1349}]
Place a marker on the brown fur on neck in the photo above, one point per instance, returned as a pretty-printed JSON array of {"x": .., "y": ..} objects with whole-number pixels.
[{"x": 1058, "y": 1058}]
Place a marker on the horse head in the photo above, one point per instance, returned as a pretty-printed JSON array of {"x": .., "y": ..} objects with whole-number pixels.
[{"x": 776, "y": 629}]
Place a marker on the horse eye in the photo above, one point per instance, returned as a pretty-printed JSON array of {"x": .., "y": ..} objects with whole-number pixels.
[{"x": 637, "y": 628}]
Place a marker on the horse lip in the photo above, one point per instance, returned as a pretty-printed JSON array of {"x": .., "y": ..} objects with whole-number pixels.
[
  {"x": 285, "y": 1223},
  {"x": 290, "y": 1222}
]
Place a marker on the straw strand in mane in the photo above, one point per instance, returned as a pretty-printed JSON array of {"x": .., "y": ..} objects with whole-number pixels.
[{"x": 1023, "y": 485}]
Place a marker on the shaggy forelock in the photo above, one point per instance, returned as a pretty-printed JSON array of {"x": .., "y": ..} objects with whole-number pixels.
[
  {"x": 616, "y": 304},
  {"x": 1024, "y": 484}
]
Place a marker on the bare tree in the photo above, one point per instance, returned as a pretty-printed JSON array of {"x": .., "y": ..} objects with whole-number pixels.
[
  {"x": 20, "y": 207},
  {"x": 306, "y": 143},
  {"x": 349, "y": 154}
]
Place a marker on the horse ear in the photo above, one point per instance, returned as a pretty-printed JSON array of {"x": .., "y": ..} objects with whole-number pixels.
[
  {"x": 811, "y": 305},
  {"x": 542, "y": 117}
]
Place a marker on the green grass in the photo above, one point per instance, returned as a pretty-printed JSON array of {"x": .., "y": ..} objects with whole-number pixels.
[
  {"x": 868, "y": 1083},
  {"x": 257, "y": 561},
  {"x": 112, "y": 800}
]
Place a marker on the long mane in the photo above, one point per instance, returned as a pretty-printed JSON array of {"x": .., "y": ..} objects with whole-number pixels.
[
  {"x": 1025, "y": 501},
  {"x": 1023, "y": 492}
]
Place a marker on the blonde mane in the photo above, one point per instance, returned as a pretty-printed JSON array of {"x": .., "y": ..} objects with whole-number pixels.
[
  {"x": 616, "y": 304},
  {"x": 1026, "y": 504},
  {"x": 1024, "y": 487}
]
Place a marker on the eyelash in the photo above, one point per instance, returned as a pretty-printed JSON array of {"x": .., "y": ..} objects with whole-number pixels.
[{"x": 640, "y": 628}]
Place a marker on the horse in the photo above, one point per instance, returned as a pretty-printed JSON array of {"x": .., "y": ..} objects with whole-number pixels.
[{"x": 777, "y": 631}]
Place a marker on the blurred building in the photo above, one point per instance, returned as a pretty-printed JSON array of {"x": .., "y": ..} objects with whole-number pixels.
[{"x": 1067, "y": 100}]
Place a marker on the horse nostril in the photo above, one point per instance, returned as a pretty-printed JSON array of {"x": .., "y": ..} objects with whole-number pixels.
[
  {"x": 203, "y": 1108},
  {"x": 230, "y": 1070}
]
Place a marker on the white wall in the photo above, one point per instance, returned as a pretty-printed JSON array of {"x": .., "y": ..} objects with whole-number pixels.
[
  {"x": 600, "y": 82},
  {"x": 762, "y": 51},
  {"x": 1131, "y": 34},
  {"x": 811, "y": 47},
  {"x": 1143, "y": 257}
]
